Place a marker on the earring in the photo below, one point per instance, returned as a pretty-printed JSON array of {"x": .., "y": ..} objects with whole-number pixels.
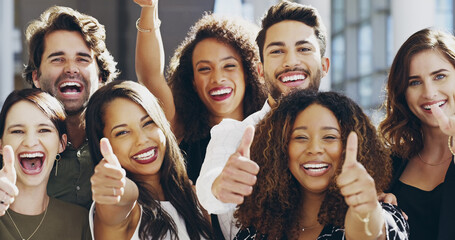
[{"x": 57, "y": 160}]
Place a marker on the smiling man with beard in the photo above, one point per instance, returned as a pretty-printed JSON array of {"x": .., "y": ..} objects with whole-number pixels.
[
  {"x": 292, "y": 44},
  {"x": 68, "y": 58}
]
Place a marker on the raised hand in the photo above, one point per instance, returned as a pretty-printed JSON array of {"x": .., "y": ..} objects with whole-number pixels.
[
  {"x": 239, "y": 174},
  {"x": 446, "y": 124},
  {"x": 8, "y": 189},
  {"x": 355, "y": 184},
  {"x": 146, "y": 3},
  {"x": 108, "y": 181}
]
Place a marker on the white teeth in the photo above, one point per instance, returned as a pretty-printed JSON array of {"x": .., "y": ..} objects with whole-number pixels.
[
  {"x": 221, "y": 91},
  {"x": 293, "y": 78},
  {"x": 70, "y": 84},
  {"x": 428, "y": 107},
  {"x": 31, "y": 155},
  {"x": 145, "y": 156},
  {"x": 317, "y": 166}
]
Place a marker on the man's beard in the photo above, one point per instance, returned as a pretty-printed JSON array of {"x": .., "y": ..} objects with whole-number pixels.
[{"x": 275, "y": 90}]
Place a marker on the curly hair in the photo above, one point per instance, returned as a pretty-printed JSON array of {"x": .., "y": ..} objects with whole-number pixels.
[
  {"x": 286, "y": 10},
  {"x": 64, "y": 18},
  {"x": 191, "y": 112},
  {"x": 272, "y": 207},
  {"x": 177, "y": 188},
  {"x": 401, "y": 129}
]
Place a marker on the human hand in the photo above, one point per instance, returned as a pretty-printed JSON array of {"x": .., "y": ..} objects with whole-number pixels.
[
  {"x": 146, "y": 3},
  {"x": 8, "y": 189},
  {"x": 390, "y": 198},
  {"x": 109, "y": 179},
  {"x": 239, "y": 174},
  {"x": 446, "y": 123},
  {"x": 355, "y": 184}
]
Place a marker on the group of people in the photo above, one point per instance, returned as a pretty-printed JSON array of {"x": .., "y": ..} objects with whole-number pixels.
[{"x": 234, "y": 142}]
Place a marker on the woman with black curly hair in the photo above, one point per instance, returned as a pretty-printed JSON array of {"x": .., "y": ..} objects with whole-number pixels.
[
  {"x": 316, "y": 182},
  {"x": 212, "y": 75}
]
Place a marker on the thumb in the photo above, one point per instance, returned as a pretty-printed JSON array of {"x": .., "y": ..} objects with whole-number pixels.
[
  {"x": 108, "y": 154},
  {"x": 245, "y": 143},
  {"x": 8, "y": 163},
  {"x": 443, "y": 121},
  {"x": 351, "y": 151}
]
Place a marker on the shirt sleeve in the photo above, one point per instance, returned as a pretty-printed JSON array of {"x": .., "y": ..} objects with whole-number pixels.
[
  {"x": 225, "y": 138},
  {"x": 397, "y": 227}
]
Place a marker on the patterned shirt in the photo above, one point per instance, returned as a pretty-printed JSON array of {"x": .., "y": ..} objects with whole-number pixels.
[{"x": 397, "y": 228}]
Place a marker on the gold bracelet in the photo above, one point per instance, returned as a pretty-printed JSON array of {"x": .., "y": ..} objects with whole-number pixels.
[
  {"x": 157, "y": 25},
  {"x": 449, "y": 142},
  {"x": 365, "y": 220}
]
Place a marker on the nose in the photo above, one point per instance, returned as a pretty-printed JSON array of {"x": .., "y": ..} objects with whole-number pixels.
[
  {"x": 30, "y": 140},
  {"x": 429, "y": 90},
  {"x": 141, "y": 137},
  {"x": 314, "y": 146},
  {"x": 71, "y": 67},
  {"x": 290, "y": 60},
  {"x": 217, "y": 76}
]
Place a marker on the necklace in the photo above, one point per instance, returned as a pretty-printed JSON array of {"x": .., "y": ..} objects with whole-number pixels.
[
  {"x": 36, "y": 229},
  {"x": 310, "y": 227},
  {"x": 433, "y": 164}
]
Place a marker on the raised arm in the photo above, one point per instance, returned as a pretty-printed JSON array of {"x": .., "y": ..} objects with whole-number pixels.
[
  {"x": 115, "y": 196},
  {"x": 364, "y": 219},
  {"x": 150, "y": 56},
  {"x": 8, "y": 189}
]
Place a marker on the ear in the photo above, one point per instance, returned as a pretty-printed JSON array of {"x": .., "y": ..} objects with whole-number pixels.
[
  {"x": 62, "y": 145},
  {"x": 325, "y": 61},
  {"x": 260, "y": 69},
  {"x": 36, "y": 79}
]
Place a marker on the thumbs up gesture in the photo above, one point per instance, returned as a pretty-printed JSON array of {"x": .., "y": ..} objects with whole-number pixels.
[
  {"x": 239, "y": 174},
  {"x": 8, "y": 189},
  {"x": 355, "y": 184},
  {"x": 146, "y": 3},
  {"x": 108, "y": 181},
  {"x": 446, "y": 124}
]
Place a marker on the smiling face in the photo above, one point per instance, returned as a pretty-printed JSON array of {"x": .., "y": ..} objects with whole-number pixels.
[
  {"x": 35, "y": 142},
  {"x": 315, "y": 148},
  {"x": 219, "y": 78},
  {"x": 292, "y": 58},
  {"x": 431, "y": 81},
  {"x": 68, "y": 70},
  {"x": 136, "y": 140}
]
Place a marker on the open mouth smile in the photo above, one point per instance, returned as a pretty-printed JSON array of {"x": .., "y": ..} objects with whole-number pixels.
[
  {"x": 31, "y": 162},
  {"x": 70, "y": 88},
  {"x": 146, "y": 156},
  {"x": 220, "y": 93},
  {"x": 315, "y": 169}
]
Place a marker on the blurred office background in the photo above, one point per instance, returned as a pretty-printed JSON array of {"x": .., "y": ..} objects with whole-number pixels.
[{"x": 363, "y": 35}]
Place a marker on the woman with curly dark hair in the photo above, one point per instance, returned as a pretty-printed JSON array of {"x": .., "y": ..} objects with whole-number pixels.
[
  {"x": 212, "y": 75},
  {"x": 421, "y": 84},
  {"x": 313, "y": 183}
]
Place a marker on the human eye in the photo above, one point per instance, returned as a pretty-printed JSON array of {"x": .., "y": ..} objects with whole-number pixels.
[
  {"x": 57, "y": 60},
  {"x": 304, "y": 49},
  {"x": 84, "y": 59},
  {"x": 44, "y": 130},
  {"x": 439, "y": 76},
  {"x": 16, "y": 131},
  {"x": 120, "y": 133},
  {"x": 414, "y": 82},
  {"x": 331, "y": 137},
  {"x": 148, "y": 123},
  {"x": 230, "y": 65},
  {"x": 276, "y": 51},
  {"x": 203, "y": 69}
]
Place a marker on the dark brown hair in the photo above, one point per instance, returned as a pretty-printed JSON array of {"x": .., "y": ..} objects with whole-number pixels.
[
  {"x": 401, "y": 129},
  {"x": 272, "y": 208},
  {"x": 191, "y": 112},
  {"x": 64, "y": 18},
  {"x": 177, "y": 188}
]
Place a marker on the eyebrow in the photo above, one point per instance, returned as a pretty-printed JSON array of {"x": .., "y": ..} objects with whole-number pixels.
[
  {"x": 39, "y": 125},
  {"x": 281, "y": 44},
  {"x": 432, "y": 73},
  {"x": 223, "y": 59},
  {"x": 60, "y": 53},
  {"x": 323, "y": 128},
  {"x": 124, "y": 125}
]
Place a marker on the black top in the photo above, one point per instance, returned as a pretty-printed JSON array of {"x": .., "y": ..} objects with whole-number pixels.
[
  {"x": 430, "y": 212},
  {"x": 194, "y": 153},
  {"x": 396, "y": 228}
]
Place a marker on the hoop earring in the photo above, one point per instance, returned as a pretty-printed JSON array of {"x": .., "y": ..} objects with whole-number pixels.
[{"x": 449, "y": 142}]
